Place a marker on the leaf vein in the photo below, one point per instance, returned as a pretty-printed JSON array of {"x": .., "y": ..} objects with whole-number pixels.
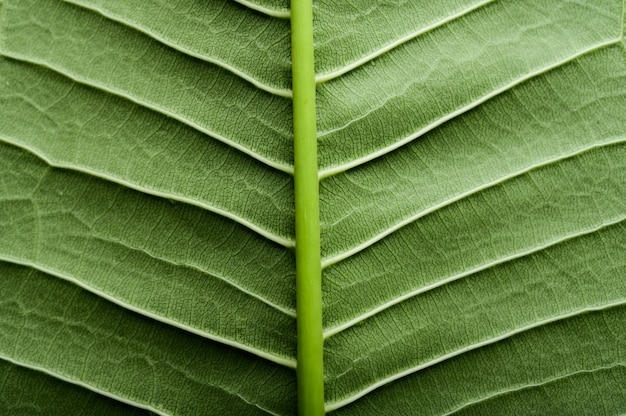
[
  {"x": 145, "y": 30},
  {"x": 154, "y": 107},
  {"x": 281, "y": 14},
  {"x": 285, "y": 242},
  {"x": 334, "y": 330},
  {"x": 350, "y": 252},
  {"x": 282, "y": 309},
  {"x": 484, "y": 343},
  {"x": 287, "y": 362},
  {"x": 347, "y": 68},
  {"x": 533, "y": 385},
  {"x": 83, "y": 385},
  {"x": 326, "y": 172}
]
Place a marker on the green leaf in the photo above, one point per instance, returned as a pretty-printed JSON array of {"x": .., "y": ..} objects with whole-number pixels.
[{"x": 472, "y": 164}]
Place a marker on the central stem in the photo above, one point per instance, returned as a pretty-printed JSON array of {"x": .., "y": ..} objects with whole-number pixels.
[{"x": 310, "y": 371}]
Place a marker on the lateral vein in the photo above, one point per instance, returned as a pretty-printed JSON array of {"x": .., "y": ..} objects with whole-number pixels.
[
  {"x": 273, "y": 164},
  {"x": 83, "y": 385},
  {"x": 334, "y": 330},
  {"x": 329, "y": 261},
  {"x": 288, "y": 243},
  {"x": 326, "y": 172},
  {"x": 281, "y": 14},
  {"x": 404, "y": 373},
  {"x": 287, "y": 362},
  {"x": 347, "y": 68},
  {"x": 533, "y": 385},
  {"x": 119, "y": 19},
  {"x": 286, "y": 311}
]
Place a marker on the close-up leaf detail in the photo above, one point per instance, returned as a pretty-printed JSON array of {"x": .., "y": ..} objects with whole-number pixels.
[{"x": 467, "y": 158}]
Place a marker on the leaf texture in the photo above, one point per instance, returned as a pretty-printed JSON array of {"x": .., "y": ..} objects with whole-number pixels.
[
  {"x": 462, "y": 214},
  {"x": 472, "y": 163},
  {"x": 27, "y": 391}
]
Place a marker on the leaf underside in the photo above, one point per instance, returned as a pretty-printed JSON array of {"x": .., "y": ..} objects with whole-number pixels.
[{"x": 472, "y": 158}]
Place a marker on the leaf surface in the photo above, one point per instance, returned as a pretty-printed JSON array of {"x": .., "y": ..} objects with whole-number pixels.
[{"x": 472, "y": 163}]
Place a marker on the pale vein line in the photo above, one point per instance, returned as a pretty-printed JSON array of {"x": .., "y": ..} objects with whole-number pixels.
[
  {"x": 148, "y": 32},
  {"x": 332, "y": 331},
  {"x": 83, "y": 385},
  {"x": 342, "y": 256},
  {"x": 286, "y": 311},
  {"x": 394, "y": 377},
  {"x": 276, "y": 165},
  {"x": 236, "y": 344},
  {"x": 623, "y": 23},
  {"x": 338, "y": 72},
  {"x": 264, "y": 233},
  {"x": 323, "y": 173},
  {"x": 115, "y": 397},
  {"x": 289, "y": 312},
  {"x": 533, "y": 385},
  {"x": 281, "y": 14}
]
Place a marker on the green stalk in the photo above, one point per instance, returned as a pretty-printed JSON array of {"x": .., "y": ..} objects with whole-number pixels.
[{"x": 310, "y": 371}]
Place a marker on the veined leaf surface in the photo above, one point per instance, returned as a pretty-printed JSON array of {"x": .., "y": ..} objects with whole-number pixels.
[{"x": 472, "y": 165}]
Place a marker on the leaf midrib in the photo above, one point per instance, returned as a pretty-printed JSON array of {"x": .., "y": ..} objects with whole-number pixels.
[
  {"x": 331, "y": 171},
  {"x": 289, "y": 243}
]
